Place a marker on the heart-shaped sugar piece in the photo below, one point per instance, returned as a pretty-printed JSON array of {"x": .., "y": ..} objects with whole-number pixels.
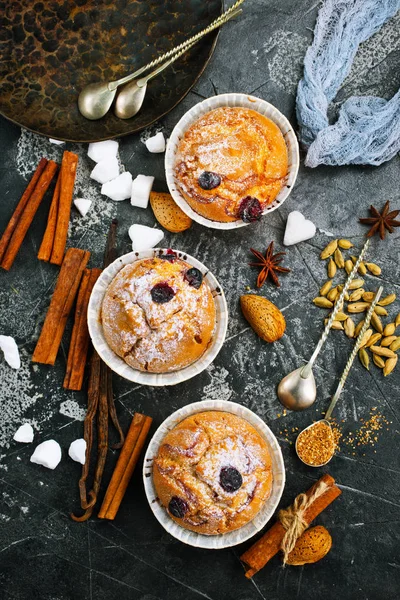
[{"x": 298, "y": 229}]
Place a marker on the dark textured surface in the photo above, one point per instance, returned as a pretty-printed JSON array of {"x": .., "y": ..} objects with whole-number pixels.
[
  {"x": 43, "y": 554},
  {"x": 51, "y": 50}
]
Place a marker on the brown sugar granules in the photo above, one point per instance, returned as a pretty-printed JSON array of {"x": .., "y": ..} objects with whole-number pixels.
[{"x": 316, "y": 444}]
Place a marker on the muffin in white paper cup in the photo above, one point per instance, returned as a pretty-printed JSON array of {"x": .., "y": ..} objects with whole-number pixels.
[
  {"x": 232, "y": 538},
  {"x": 233, "y": 100},
  {"x": 117, "y": 364}
]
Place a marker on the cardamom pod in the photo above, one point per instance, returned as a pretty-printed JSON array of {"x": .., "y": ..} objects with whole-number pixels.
[
  {"x": 382, "y": 312},
  {"x": 394, "y": 346},
  {"x": 364, "y": 358},
  {"x": 389, "y": 366},
  {"x": 359, "y": 326},
  {"x": 373, "y": 339},
  {"x": 338, "y": 258},
  {"x": 357, "y": 295},
  {"x": 341, "y": 316},
  {"x": 373, "y": 268},
  {"x": 366, "y": 337},
  {"x": 389, "y": 329},
  {"x": 331, "y": 268},
  {"x": 357, "y": 307},
  {"x": 368, "y": 296},
  {"x": 387, "y": 300},
  {"x": 378, "y": 360},
  {"x": 386, "y": 352},
  {"x": 397, "y": 320},
  {"x": 345, "y": 244},
  {"x": 355, "y": 284},
  {"x": 325, "y": 288},
  {"x": 354, "y": 259},
  {"x": 332, "y": 294},
  {"x": 322, "y": 302},
  {"x": 329, "y": 249},
  {"x": 388, "y": 340},
  {"x": 376, "y": 322},
  {"x": 362, "y": 269},
  {"x": 337, "y": 325},
  {"x": 349, "y": 327},
  {"x": 348, "y": 265}
]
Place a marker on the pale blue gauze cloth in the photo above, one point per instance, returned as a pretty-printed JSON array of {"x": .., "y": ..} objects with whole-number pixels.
[{"x": 367, "y": 131}]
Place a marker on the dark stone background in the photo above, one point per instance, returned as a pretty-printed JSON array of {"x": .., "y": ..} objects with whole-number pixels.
[{"x": 46, "y": 556}]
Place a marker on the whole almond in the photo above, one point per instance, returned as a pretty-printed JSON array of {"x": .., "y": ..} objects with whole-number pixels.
[
  {"x": 264, "y": 317},
  {"x": 357, "y": 307},
  {"x": 168, "y": 213},
  {"x": 311, "y": 546},
  {"x": 355, "y": 284},
  {"x": 359, "y": 326},
  {"x": 368, "y": 296},
  {"x": 366, "y": 337},
  {"x": 373, "y": 339},
  {"x": 356, "y": 295},
  {"x": 345, "y": 244},
  {"x": 388, "y": 340},
  {"x": 364, "y": 358},
  {"x": 373, "y": 268},
  {"x": 348, "y": 265},
  {"x": 376, "y": 322},
  {"x": 389, "y": 366},
  {"x": 387, "y": 300},
  {"x": 386, "y": 352},
  {"x": 381, "y": 311},
  {"x": 331, "y": 268},
  {"x": 322, "y": 302},
  {"x": 325, "y": 288},
  {"x": 395, "y": 345},
  {"x": 332, "y": 294},
  {"x": 338, "y": 258},
  {"x": 349, "y": 327},
  {"x": 378, "y": 360},
  {"x": 329, "y": 249}
]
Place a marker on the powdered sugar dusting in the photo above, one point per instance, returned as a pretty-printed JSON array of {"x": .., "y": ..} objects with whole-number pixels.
[{"x": 71, "y": 409}]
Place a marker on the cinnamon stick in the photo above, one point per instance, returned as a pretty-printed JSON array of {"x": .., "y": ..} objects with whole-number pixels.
[
  {"x": 68, "y": 173},
  {"x": 25, "y": 212},
  {"x": 256, "y": 557},
  {"x": 61, "y": 303},
  {"x": 79, "y": 344},
  {"x": 125, "y": 466},
  {"x": 46, "y": 246}
]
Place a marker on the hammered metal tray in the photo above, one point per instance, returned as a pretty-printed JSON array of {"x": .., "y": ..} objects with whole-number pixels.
[{"x": 49, "y": 51}]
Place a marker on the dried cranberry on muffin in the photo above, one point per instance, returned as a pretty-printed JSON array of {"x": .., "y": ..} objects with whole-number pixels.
[
  {"x": 158, "y": 314},
  {"x": 230, "y": 164},
  {"x": 213, "y": 472}
]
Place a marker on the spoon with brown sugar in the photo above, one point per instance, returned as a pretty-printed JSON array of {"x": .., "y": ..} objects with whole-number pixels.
[{"x": 315, "y": 445}]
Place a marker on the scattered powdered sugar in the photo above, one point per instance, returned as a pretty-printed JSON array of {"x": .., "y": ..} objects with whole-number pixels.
[
  {"x": 328, "y": 233},
  {"x": 150, "y": 132},
  {"x": 71, "y": 409},
  {"x": 218, "y": 388}
]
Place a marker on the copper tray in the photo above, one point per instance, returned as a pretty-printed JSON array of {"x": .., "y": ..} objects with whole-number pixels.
[{"x": 49, "y": 50}]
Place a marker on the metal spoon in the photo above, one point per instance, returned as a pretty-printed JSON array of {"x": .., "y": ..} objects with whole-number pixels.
[
  {"x": 95, "y": 99},
  {"x": 342, "y": 381},
  {"x": 297, "y": 391}
]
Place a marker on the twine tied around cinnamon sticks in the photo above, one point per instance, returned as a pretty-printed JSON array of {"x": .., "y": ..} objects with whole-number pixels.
[{"x": 293, "y": 518}]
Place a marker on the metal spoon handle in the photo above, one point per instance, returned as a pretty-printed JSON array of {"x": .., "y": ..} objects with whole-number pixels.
[
  {"x": 143, "y": 81},
  {"x": 308, "y": 367},
  {"x": 226, "y": 16},
  {"x": 353, "y": 354}
]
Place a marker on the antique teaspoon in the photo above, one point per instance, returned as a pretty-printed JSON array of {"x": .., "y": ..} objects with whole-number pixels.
[
  {"x": 297, "y": 390},
  {"x": 325, "y": 422}
]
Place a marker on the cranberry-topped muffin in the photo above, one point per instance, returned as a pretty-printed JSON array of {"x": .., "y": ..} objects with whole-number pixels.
[
  {"x": 158, "y": 314},
  {"x": 230, "y": 164},
  {"x": 213, "y": 472}
]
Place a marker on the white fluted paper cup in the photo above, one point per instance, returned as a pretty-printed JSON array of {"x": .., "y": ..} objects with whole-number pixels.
[
  {"x": 232, "y": 538},
  {"x": 244, "y": 101},
  {"x": 120, "y": 366}
]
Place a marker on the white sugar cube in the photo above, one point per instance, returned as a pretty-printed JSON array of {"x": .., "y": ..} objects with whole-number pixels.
[
  {"x": 298, "y": 229},
  {"x": 144, "y": 237},
  {"x": 106, "y": 150},
  {"x": 105, "y": 170},
  {"x": 119, "y": 188},
  {"x": 156, "y": 144},
  {"x": 24, "y": 434},
  {"x": 57, "y": 142},
  {"x": 82, "y": 205},
  {"x": 77, "y": 450},
  {"x": 10, "y": 349},
  {"x": 47, "y": 454},
  {"x": 141, "y": 188}
]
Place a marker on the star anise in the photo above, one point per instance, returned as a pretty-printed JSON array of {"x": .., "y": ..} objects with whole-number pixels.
[
  {"x": 381, "y": 221},
  {"x": 270, "y": 265}
]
